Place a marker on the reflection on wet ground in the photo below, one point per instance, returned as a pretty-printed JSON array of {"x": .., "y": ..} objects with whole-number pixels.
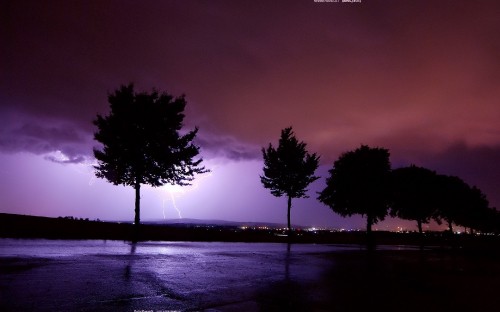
[
  {"x": 43, "y": 275},
  {"x": 89, "y": 275}
]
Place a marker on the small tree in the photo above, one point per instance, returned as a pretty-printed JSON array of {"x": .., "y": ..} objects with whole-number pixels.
[
  {"x": 359, "y": 184},
  {"x": 288, "y": 169},
  {"x": 414, "y": 194},
  {"x": 142, "y": 144}
]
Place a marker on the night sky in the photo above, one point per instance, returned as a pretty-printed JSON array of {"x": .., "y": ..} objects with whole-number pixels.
[{"x": 421, "y": 78}]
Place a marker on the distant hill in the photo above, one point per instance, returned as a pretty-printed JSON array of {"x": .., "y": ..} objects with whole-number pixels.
[
  {"x": 189, "y": 221},
  {"x": 23, "y": 226}
]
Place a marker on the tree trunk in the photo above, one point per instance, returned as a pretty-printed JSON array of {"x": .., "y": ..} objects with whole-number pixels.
[
  {"x": 368, "y": 225},
  {"x": 137, "y": 220},
  {"x": 288, "y": 216},
  {"x": 369, "y": 236},
  {"x": 421, "y": 234},
  {"x": 450, "y": 227},
  {"x": 419, "y": 223}
]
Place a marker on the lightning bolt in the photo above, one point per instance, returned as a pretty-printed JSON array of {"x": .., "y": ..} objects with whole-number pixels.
[
  {"x": 176, "y": 190},
  {"x": 92, "y": 178},
  {"x": 175, "y": 205}
]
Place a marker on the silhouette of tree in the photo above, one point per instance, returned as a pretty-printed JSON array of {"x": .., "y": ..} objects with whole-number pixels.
[
  {"x": 452, "y": 199},
  {"x": 142, "y": 144},
  {"x": 490, "y": 221},
  {"x": 359, "y": 184},
  {"x": 414, "y": 194},
  {"x": 475, "y": 212},
  {"x": 288, "y": 169}
]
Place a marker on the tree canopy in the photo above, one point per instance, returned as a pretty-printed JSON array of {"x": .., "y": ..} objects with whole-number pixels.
[
  {"x": 463, "y": 205},
  {"x": 414, "y": 194},
  {"x": 476, "y": 213},
  {"x": 289, "y": 168},
  {"x": 452, "y": 198},
  {"x": 420, "y": 194},
  {"x": 359, "y": 184},
  {"x": 142, "y": 143}
]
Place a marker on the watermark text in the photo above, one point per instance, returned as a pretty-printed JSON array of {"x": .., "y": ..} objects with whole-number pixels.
[{"x": 339, "y": 1}]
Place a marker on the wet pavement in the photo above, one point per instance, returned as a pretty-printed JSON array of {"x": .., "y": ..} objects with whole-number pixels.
[
  {"x": 55, "y": 275},
  {"x": 45, "y": 275}
]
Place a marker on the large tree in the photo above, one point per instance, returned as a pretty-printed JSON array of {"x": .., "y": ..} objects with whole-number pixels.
[
  {"x": 289, "y": 168},
  {"x": 142, "y": 143},
  {"x": 414, "y": 194},
  {"x": 359, "y": 184},
  {"x": 453, "y": 198},
  {"x": 477, "y": 212},
  {"x": 463, "y": 205}
]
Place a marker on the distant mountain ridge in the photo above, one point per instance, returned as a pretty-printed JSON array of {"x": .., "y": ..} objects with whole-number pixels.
[{"x": 190, "y": 221}]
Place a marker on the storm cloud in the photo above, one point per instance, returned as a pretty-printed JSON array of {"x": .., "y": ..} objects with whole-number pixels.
[{"x": 420, "y": 78}]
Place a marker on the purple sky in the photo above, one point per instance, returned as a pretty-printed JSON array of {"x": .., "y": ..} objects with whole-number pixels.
[{"x": 421, "y": 78}]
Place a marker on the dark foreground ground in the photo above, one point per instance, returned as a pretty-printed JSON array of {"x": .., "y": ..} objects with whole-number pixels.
[{"x": 162, "y": 276}]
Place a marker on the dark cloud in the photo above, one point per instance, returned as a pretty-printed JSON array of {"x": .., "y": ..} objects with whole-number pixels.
[
  {"x": 412, "y": 76},
  {"x": 340, "y": 73},
  {"x": 475, "y": 165},
  {"x": 63, "y": 159},
  {"x": 69, "y": 142},
  {"x": 222, "y": 146}
]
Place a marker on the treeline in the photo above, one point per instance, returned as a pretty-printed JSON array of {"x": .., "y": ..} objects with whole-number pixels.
[
  {"x": 142, "y": 144},
  {"x": 78, "y": 219},
  {"x": 362, "y": 182},
  {"x": 22, "y": 226},
  {"x": 422, "y": 195}
]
